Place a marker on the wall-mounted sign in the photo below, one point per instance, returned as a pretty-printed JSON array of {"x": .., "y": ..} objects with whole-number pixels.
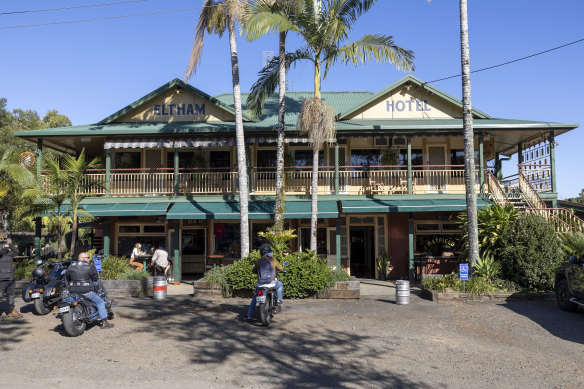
[
  {"x": 407, "y": 106},
  {"x": 178, "y": 109}
]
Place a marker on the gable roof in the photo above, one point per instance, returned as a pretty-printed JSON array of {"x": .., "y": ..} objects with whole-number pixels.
[
  {"x": 169, "y": 85},
  {"x": 412, "y": 80}
]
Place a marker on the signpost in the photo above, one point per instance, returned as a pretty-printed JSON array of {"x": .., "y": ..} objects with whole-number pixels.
[
  {"x": 463, "y": 274},
  {"x": 97, "y": 262}
]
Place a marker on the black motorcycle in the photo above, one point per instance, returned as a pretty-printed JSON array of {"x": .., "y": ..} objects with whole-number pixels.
[
  {"x": 45, "y": 289},
  {"x": 77, "y": 311},
  {"x": 267, "y": 297}
]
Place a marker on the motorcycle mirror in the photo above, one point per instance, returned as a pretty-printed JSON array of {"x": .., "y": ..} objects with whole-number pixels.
[{"x": 286, "y": 263}]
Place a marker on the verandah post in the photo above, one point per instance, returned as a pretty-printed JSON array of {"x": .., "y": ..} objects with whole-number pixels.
[
  {"x": 108, "y": 168},
  {"x": 481, "y": 163},
  {"x": 175, "y": 156},
  {"x": 336, "y": 168},
  {"x": 409, "y": 165},
  {"x": 38, "y": 231}
]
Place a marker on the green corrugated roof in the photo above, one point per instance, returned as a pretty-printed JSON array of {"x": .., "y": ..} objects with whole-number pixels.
[{"x": 399, "y": 205}]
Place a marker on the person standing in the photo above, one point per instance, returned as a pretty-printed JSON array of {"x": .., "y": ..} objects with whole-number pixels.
[{"x": 7, "y": 253}]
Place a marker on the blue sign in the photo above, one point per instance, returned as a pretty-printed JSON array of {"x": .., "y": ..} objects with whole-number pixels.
[
  {"x": 97, "y": 263},
  {"x": 464, "y": 271}
]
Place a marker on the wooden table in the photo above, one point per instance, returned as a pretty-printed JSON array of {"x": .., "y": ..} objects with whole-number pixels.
[
  {"x": 215, "y": 258},
  {"x": 144, "y": 259}
]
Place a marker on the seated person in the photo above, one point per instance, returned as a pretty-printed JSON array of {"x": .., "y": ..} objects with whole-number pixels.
[{"x": 160, "y": 259}]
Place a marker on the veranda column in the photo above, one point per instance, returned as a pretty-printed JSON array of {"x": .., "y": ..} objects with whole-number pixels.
[
  {"x": 175, "y": 157},
  {"x": 336, "y": 168},
  {"x": 409, "y": 165},
  {"x": 553, "y": 167},
  {"x": 108, "y": 168},
  {"x": 176, "y": 265},
  {"x": 38, "y": 230},
  {"x": 106, "y": 240},
  {"x": 338, "y": 243}
]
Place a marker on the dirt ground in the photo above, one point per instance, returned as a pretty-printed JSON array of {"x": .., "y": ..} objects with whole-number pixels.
[{"x": 370, "y": 343}]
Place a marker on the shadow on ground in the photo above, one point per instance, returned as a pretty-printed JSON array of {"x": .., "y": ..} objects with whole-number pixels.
[
  {"x": 564, "y": 325},
  {"x": 287, "y": 354}
]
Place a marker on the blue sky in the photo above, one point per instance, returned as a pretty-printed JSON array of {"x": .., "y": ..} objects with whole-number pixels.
[{"x": 89, "y": 70}]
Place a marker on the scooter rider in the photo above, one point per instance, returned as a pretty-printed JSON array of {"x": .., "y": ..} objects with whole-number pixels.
[
  {"x": 81, "y": 275},
  {"x": 266, "y": 253}
]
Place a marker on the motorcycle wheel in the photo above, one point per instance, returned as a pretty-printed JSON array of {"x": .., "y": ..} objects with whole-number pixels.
[
  {"x": 266, "y": 312},
  {"x": 40, "y": 307},
  {"x": 72, "y": 322},
  {"x": 563, "y": 297}
]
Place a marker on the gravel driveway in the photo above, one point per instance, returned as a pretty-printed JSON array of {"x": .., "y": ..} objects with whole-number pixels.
[{"x": 370, "y": 343}]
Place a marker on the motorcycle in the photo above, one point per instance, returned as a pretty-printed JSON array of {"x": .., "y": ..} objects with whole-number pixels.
[
  {"x": 45, "y": 290},
  {"x": 77, "y": 311},
  {"x": 266, "y": 297}
]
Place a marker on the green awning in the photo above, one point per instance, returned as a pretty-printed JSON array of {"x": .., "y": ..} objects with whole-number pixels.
[
  {"x": 127, "y": 209},
  {"x": 258, "y": 210},
  {"x": 425, "y": 205}
]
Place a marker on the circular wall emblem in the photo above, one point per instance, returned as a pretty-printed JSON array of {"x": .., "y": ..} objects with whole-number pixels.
[{"x": 26, "y": 159}]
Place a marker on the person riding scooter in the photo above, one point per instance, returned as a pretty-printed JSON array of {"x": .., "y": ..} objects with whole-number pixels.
[{"x": 261, "y": 269}]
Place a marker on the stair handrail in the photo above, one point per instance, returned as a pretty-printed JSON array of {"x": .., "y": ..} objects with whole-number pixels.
[
  {"x": 529, "y": 193},
  {"x": 495, "y": 189},
  {"x": 553, "y": 219}
]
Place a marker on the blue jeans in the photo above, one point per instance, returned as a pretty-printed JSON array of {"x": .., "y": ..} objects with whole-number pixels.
[
  {"x": 99, "y": 303},
  {"x": 279, "y": 294}
]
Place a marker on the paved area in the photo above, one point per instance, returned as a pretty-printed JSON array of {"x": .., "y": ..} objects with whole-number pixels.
[{"x": 370, "y": 342}]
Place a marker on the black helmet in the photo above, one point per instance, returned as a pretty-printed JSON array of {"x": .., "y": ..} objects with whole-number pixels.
[
  {"x": 265, "y": 248},
  {"x": 38, "y": 272}
]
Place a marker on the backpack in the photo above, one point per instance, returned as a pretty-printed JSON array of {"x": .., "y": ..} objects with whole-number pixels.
[{"x": 266, "y": 272}]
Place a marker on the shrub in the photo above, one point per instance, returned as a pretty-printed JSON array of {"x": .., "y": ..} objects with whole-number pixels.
[
  {"x": 532, "y": 251},
  {"x": 487, "y": 268},
  {"x": 23, "y": 270},
  {"x": 112, "y": 267},
  {"x": 573, "y": 243},
  {"x": 338, "y": 275},
  {"x": 239, "y": 275},
  {"x": 133, "y": 274}
]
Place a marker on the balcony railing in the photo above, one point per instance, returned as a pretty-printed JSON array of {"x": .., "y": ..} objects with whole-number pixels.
[{"x": 353, "y": 180}]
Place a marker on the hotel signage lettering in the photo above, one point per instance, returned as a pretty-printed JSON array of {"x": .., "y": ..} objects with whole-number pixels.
[
  {"x": 407, "y": 105},
  {"x": 178, "y": 109}
]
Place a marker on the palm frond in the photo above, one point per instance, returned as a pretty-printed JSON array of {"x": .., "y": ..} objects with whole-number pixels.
[
  {"x": 267, "y": 82},
  {"x": 202, "y": 26}
]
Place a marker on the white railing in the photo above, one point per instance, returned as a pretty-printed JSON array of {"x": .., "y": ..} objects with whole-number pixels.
[
  {"x": 375, "y": 180},
  {"x": 539, "y": 176}
]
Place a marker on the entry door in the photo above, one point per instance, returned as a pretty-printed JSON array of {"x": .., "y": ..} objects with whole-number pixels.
[
  {"x": 362, "y": 251},
  {"x": 152, "y": 184},
  {"x": 193, "y": 250},
  {"x": 331, "y": 234},
  {"x": 436, "y": 172}
]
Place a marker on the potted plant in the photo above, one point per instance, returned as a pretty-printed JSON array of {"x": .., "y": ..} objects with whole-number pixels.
[{"x": 383, "y": 263}]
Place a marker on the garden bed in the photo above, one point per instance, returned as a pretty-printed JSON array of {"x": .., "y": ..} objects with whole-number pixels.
[
  {"x": 114, "y": 288},
  {"x": 548, "y": 297}
]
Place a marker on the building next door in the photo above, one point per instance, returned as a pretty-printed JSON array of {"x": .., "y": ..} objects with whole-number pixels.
[{"x": 362, "y": 251}]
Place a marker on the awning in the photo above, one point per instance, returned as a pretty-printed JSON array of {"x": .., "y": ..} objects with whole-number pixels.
[
  {"x": 258, "y": 210},
  {"x": 425, "y": 205},
  {"x": 130, "y": 209},
  {"x": 139, "y": 144},
  {"x": 286, "y": 140},
  {"x": 204, "y": 143}
]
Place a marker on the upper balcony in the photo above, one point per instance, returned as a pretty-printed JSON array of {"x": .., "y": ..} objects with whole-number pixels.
[{"x": 348, "y": 180}]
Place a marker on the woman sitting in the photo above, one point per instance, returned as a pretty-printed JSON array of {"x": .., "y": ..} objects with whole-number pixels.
[{"x": 134, "y": 257}]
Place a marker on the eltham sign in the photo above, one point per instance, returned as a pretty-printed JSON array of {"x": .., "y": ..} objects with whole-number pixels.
[{"x": 178, "y": 109}]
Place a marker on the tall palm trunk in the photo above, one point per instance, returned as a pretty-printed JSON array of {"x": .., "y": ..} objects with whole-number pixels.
[
  {"x": 73, "y": 234},
  {"x": 279, "y": 207},
  {"x": 469, "y": 163},
  {"x": 241, "y": 159},
  {"x": 314, "y": 204}
]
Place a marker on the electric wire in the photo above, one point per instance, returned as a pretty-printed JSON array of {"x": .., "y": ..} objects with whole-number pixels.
[
  {"x": 72, "y": 7},
  {"x": 508, "y": 62}
]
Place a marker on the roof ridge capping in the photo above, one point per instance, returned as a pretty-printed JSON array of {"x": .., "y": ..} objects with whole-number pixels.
[
  {"x": 411, "y": 79},
  {"x": 169, "y": 85}
]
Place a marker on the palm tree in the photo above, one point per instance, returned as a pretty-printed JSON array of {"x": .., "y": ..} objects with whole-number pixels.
[
  {"x": 216, "y": 16},
  {"x": 78, "y": 188},
  {"x": 324, "y": 29},
  {"x": 469, "y": 164},
  {"x": 258, "y": 22}
]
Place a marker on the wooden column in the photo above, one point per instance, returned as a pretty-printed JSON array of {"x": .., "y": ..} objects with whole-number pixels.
[
  {"x": 108, "y": 168},
  {"x": 38, "y": 230},
  {"x": 411, "y": 245},
  {"x": 176, "y": 265},
  {"x": 481, "y": 163},
  {"x": 409, "y": 165},
  {"x": 175, "y": 157},
  {"x": 336, "y": 168}
]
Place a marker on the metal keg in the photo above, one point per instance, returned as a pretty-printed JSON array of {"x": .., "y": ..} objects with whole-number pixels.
[
  {"x": 159, "y": 286},
  {"x": 402, "y": 292}
]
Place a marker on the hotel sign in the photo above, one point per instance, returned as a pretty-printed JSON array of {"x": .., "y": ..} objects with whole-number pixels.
[
  {"x": 407, "y": 106},
  {"x": 178, "y": 109}
]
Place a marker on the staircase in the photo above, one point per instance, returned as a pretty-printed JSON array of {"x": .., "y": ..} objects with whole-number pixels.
[{"x": 520, "y": 193}]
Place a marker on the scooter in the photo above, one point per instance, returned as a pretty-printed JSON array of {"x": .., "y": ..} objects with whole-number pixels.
[
  {"x": 266, "y": 297},
  {"x": 45, "y": 290},
  {"x": 77, "y": 311}
]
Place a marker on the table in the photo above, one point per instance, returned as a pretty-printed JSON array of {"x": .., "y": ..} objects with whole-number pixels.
[
  {"x": 215, "y": 258},
  {"x": 144, "y": 259}
]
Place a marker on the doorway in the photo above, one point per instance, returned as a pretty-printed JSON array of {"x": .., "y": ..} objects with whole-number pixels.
[{"x": 362, "y": 251}]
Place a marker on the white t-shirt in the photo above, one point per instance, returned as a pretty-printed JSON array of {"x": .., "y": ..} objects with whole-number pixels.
[{"x": 135, "y": 253}]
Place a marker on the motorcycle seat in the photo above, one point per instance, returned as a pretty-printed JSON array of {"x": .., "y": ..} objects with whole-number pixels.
[{"x": 270, "y": 285}]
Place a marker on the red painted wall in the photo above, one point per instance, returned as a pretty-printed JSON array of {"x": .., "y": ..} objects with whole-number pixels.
[{"x": 398, "y": 244}]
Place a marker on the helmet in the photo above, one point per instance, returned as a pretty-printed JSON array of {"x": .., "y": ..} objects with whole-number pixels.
[
  {"x": 265, "y": 249},
  {"x": 38, "y": 272}
]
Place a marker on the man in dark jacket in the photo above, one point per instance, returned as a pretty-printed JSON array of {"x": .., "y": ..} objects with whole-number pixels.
[
  {"x": 81, "y": 275},
  {"x": 7, "y": 254}
]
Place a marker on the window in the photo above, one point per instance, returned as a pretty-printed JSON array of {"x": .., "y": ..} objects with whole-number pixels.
[
  {"x": 366, "y": 157},
  {"x": 227, "y": 239},
  {"x": 193, "y": 242},
  {"x": 149, "y": 236},
  {"x": 304, "y": 158},
  {"x": 218, "y": 159},
  {"x": 417, "y": 158},
  {"x": 129, "y": 229},
  {"x": 126, "y": 160},
  {"x": 457, "y": 157},
  {"x": 266, "y": 160},
  {"x": 256, "y": 240},
  {"x": 153, "y": 229},
  {"x": 320, "y": 240},
  {"x": 185, "y": 159}
]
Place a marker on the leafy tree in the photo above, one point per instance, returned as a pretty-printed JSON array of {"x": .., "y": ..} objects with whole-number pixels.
[
  {"x": 216, "y": 17},
  {"x": 531, "y": 253}
]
